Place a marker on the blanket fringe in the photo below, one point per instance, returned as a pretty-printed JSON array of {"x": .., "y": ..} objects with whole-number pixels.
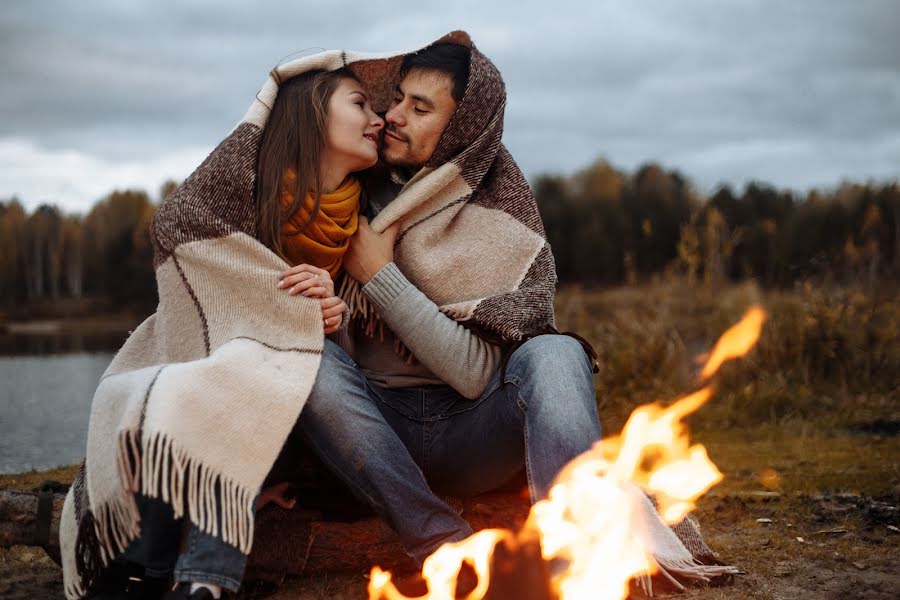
[
  {"x": 216, "y": 504},
  {"x": 351, "y": 293},
  {"x": 687, "y": 569},
  {"x": 158, "y": 467},
  {"x": 691, "y": 569}
]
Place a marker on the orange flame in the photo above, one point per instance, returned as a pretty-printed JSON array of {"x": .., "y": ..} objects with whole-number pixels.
[
  {"x": 735, "y": 342},
  {"x": 594, "y": 518}
]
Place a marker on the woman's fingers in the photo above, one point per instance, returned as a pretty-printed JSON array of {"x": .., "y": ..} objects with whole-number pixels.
[
  {"x": 332, "y": 313},
  {"x": 306, "y": 284},
  {"x": 332, "y": 310},
  {"x": 306, "y": 277}
]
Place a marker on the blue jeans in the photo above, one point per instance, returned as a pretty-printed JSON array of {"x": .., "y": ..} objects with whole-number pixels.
[
  {"x": 198, "y": 557},
  {"x": 396, "y": 448}
]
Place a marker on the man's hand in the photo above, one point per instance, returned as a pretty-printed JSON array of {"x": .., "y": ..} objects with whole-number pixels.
[{"x": 369, "y": 251}]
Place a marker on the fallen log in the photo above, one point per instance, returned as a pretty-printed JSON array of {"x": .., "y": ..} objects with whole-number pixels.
[
  {"x": 287, "y": 542},
  {"x": 30, "y": 519}
]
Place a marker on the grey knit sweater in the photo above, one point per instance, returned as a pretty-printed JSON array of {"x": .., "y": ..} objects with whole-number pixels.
[{"x": 444, "y": 350}]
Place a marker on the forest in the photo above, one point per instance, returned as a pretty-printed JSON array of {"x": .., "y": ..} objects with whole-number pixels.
[{"x": 607, "y": 227}]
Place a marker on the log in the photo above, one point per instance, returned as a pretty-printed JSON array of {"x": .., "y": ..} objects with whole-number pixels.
[
  {"x": 329, "y": 546},
  {"x": 19, "y": 521}
]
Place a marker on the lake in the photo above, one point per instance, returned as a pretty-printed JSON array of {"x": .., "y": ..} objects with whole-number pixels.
[{"x": 45, "y": 402}]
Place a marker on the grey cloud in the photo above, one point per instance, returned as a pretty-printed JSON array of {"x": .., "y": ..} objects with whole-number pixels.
[{"x": 801, "y": 93}]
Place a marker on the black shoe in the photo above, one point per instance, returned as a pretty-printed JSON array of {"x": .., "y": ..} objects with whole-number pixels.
[
  {"x": 127, "y": 581},
  {"x": 183, "y": 592}
]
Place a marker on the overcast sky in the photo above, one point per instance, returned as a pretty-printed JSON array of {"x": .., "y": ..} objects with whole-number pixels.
[{"x": 111, "y": 94}]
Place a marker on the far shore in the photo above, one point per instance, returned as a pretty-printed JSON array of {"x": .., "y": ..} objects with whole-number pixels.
[{"x": 81, "y": 325}]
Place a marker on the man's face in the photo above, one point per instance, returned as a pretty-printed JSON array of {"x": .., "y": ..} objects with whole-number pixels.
[{"x": 421, "y": 109}]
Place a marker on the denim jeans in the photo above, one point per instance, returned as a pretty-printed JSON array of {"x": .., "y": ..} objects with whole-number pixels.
[
  {"x": 198, "y": 557},
  {"x": 397, "y": 448}
]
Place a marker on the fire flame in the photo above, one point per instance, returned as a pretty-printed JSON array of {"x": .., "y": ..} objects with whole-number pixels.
[{"x": 593, "y": 525}]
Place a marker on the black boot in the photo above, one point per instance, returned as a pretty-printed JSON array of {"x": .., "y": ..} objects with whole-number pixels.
[{"x": 125, "y": 580}]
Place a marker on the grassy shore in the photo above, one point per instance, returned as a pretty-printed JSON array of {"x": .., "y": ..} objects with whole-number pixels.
[{"x": 804, "y": 429}]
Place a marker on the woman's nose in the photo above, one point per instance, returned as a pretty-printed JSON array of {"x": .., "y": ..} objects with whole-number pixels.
[{"x": 377, "y": 121}]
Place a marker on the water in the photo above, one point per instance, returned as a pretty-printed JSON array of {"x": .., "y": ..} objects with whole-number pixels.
[{"x": 45, "y": 402}]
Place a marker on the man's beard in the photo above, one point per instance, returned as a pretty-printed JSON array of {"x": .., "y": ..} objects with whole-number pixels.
[{"x": 399, "y": 162}]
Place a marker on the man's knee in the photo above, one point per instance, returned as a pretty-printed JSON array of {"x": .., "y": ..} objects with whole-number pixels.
[{"x": 551, "y": 356}]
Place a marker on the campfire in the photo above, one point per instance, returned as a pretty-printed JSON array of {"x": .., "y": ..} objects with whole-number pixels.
[{"x": 591, "y": 537}]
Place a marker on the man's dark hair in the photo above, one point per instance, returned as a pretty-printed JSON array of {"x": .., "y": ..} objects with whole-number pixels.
[{"x": 446, "y": 57}]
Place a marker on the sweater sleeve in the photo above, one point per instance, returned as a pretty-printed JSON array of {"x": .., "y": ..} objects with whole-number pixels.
[{"x": 452, "y": 352}]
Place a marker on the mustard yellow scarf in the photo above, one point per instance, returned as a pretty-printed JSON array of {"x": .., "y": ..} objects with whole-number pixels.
[{"x": 324, "y": 242}]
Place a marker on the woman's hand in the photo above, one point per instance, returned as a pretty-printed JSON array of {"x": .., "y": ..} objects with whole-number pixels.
[
  {"x": 313, "y": 282},
  {"x": 332, "y": 313},
  {"x": 308, "y": 281}
]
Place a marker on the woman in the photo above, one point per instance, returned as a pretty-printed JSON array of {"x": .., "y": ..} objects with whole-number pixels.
[
  {"x": 308, "y": 204},
  {"x": 321, "y": 129}
]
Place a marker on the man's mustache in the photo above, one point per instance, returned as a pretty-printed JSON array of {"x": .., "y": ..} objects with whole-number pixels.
[{"x": 392, "y": 129}]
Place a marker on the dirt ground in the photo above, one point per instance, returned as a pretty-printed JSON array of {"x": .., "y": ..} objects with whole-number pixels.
[{"x": 805, "y": 514}]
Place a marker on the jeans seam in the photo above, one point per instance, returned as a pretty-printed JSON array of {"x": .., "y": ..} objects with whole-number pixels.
[
  {"x": 403, "y": 413},
  {"x": 425, "y": 432},
  {"x": 523, "y": 406},
  {"x": 195, "y": 576}
]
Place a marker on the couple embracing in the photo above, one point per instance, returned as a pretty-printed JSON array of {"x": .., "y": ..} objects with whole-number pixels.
[{"x": 398, "y": 316}]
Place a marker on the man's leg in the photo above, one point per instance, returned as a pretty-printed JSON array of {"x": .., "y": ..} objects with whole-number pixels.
[
  {"x": 346, "y": 429},
  {"x": 542, "y": 415}
]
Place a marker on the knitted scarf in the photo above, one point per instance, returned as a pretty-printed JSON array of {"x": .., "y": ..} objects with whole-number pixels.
[{"x": 324, "y": 241}]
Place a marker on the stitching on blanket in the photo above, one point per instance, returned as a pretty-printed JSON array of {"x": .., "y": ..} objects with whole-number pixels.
[
  {"x": 130, "y": 455},
  {"x": 196, "y": 302},
  {"x": 278, "y": 349},
  {"x": 434, "y": 214}
]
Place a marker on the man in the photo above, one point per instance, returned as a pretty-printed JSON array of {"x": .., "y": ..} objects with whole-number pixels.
[{"x": 434, "y": 404}]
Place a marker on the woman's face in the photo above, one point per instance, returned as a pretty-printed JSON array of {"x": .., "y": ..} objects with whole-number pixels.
[{"x": 351, "y": 128}]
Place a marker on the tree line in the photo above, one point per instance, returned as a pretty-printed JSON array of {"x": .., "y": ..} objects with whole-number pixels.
[
  {"x": 606, "y": 227},
  {"x": 105, "y": 256}
]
